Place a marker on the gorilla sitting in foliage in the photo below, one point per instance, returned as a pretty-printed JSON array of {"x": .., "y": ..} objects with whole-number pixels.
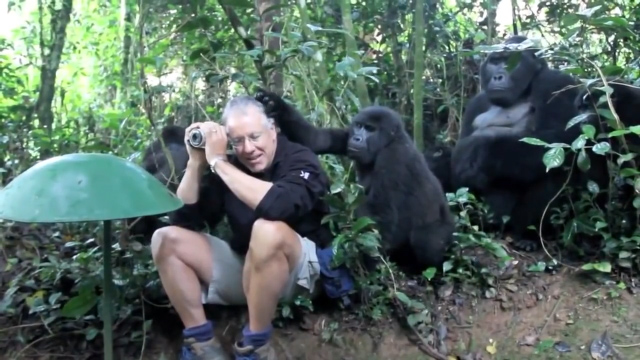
[
  {"x": 402, "y": 194},
  {"x": 519, "y": 98},
  {"x": 168, "y": 170},
  {"x": 625, "y": 100}
]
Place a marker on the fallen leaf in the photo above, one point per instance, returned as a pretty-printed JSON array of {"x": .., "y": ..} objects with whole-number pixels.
[{"x": 491, "y": 348}]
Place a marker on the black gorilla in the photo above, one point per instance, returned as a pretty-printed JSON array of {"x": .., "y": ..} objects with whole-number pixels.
[
  {"x": 490, "y": 159},
  {"x": 439, "y": 160},
  {"x": 625, "y": 99},
  {"x": 156, "y": 162},
  {"x": 402, "y": 194}
]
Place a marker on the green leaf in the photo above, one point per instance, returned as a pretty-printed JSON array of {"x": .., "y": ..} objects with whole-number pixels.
[
  {"x": 624, "y": 254},
  {"x": 79, "y": 305},
  {"x": 604, "y": 266},
  {"x": 616, "y": 133},
  {"x": 429, "y": 273},
  {"x": 601, "y": 148},
  {"x": 628, "y": 172},
  {"x": 91, "y": 333},
  {"x": 361, "y": 223},
  {"x": 579, "y": 142},
  {"x": 589, "y": 131},
  {"x": 593, "y": 187},
  {"x": 367, "y": 70},
  {"x": 147, "y": 61},
  {"x": 553, "y": 158},
  {"x": 635, "y": 129},
  {"x": 533, "y": 141},
  {"x": 584, "y": 163},
  {"x": 577, "y": 119},
  {"x": 448, "y": 265},
  {"x": 403, "y": 298}
]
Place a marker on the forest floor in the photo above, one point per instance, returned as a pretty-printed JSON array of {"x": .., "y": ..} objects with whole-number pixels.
[
  {"x": 532, "y": 316},
  {"x": 555, "y": 317}
]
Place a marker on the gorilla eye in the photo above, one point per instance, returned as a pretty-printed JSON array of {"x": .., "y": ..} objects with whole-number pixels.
[
  {"x": 358, "y": 126},
  {"x": 369, "y": 128}
]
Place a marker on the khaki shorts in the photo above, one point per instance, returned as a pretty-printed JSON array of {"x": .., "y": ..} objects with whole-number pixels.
[{"x": 226, "y": 286}]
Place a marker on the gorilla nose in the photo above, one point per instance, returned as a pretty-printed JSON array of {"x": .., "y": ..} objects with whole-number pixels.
[
  {"x": 356, "y": 139},
  {"x": 498, "y": 78}
]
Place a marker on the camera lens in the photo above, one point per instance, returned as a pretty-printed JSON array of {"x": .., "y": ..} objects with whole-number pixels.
[{"x": 196, "y": 139}]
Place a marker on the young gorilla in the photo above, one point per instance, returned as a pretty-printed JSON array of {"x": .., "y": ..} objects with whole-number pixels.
[
  {"x": 402, "y": 194},
  {"x": 156, "y": 162},
  {"x": 489, "y": 157}
]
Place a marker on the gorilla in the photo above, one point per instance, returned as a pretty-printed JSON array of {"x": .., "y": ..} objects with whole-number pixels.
[
  {"x": 525, "y": 100},
  {"x": 402, "y": 194},
  {"x": 439, "y": 160},
  {"x": 156, "y": 162},
  {"x": 625, "y": 99}
]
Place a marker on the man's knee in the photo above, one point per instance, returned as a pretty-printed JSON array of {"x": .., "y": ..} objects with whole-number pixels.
[
  {"x": 167, "y": 241},
  {"x": 270, "y": 238}
]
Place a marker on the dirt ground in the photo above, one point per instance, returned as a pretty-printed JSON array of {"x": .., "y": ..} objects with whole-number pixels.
[
  {"x": 533, "y": 316},
  {"x": 517, "y": 323}
]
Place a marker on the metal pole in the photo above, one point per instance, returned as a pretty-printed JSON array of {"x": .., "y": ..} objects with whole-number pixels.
[{"x": 107, "y": 294}]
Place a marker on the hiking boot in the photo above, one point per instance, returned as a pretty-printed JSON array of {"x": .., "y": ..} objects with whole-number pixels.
[
  {"x": 265, "y": 352},
  {"x": 206, "y": 350}
]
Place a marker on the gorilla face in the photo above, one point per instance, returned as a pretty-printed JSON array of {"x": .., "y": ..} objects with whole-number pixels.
[
  {"x": 506, "y": 76},
  {"x": 371, "y": 130}
]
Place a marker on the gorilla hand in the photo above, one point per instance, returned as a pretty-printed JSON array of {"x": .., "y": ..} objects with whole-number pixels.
[{"x": 274, "y": 105}]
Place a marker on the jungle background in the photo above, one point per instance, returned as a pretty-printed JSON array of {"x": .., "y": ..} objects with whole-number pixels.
[{"x": 92, "y": 76}]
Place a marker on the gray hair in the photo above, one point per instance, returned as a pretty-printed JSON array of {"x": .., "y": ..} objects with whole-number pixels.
[{"x": 240, "y": 104}]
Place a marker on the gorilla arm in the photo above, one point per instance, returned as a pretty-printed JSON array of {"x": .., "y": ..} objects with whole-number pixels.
[{"x": 294, "y": 126}]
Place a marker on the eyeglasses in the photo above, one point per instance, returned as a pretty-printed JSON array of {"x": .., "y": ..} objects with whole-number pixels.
[{"x": 239, "y": 141}]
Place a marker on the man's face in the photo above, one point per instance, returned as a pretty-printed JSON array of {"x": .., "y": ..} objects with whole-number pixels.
[{"x": 253, "y": 141}]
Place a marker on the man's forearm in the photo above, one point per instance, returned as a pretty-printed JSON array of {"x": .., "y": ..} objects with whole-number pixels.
[
  {"x": 248, "y": 189},
  {"x": 189, "y": 187}
]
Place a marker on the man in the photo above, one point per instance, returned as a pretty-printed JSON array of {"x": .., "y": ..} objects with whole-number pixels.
[{"x": 271, "y": 193}]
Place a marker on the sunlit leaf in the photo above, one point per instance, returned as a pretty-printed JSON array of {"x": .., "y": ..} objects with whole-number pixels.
[
  {"x": 533, "y": 141},
  {"x": 578, "y": 119},
  {"x": 579, "y": 142},
  {"x": 553, "y": 158},
  {"x": 601, "y": 148}
]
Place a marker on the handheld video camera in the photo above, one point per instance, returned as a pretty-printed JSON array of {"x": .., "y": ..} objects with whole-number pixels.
[{"x": 196, "y": 138}]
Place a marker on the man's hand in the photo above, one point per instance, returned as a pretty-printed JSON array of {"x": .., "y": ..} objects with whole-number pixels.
[
  {"x": 196, "y": 156},
  {"x": 216, "y": 141}
]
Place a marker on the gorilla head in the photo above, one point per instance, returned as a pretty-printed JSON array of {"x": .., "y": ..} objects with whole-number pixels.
[
  {"x": 506, "y": 76},
  {"x": 372, "y": 130}
]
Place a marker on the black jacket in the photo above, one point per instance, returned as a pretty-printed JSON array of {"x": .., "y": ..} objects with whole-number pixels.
[{"x": 299, "y": 183}]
